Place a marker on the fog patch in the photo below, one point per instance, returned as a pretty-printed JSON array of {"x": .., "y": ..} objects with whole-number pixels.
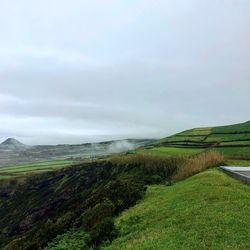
[{"x": 120, "y": 146}]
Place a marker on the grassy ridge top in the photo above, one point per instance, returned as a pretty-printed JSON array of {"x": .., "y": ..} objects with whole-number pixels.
[
  {"x": 206, "y": 211},
  {"x": 223, "y": 136}
]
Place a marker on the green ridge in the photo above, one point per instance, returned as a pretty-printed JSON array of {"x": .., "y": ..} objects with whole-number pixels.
[
  {"x": 230, "y": 140},
  {"x": 207, "y": 137}
]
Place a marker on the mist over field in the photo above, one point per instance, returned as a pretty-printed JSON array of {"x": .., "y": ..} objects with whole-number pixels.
[{"x": 121, "y": 146}]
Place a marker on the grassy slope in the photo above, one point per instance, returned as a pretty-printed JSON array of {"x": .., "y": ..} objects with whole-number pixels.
[
  {"x": 34, "y": 212},
  {"x": 214, "y": 136},
  {"x": 230, "y": 140},
  {"x": 207, "y": 211}
]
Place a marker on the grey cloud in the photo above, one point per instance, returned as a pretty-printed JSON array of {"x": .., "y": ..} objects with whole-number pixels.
[{"x": 91, "y": 71}]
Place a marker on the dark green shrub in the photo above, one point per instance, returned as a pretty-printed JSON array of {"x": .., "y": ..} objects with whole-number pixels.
[
  {"x": 97, "y": 213},
  {"x": 104, "y": 231},
  {"x": 72, "y": 239}
]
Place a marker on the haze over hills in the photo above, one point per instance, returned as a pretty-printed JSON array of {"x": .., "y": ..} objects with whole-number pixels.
[
  {"x": 13, "y": 152},
  {"x": 230, "y": 139}
]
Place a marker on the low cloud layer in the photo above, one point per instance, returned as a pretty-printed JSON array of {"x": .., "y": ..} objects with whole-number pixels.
[
  {"x": 85, "y": 71},
  {"x": 120, "y": 146}
]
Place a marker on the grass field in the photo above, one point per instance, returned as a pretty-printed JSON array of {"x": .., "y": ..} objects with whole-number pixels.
[
  {"x": 242, "y": 163},
  {"x": 33, "y": 168},
  {"x": 170, "y": 151},
  {"x": 232, "y": 141},
  {"x": 207, "y": 211},
  {"x": 241, "y": 151}
]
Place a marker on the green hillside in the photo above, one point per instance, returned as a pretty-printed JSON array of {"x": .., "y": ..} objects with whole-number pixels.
[
  {"x": 77, "y": 205},
  {"x": 231, "y": 135},
  {"x": 207, "y": 211},
  {"x": 230, "y": 140}
]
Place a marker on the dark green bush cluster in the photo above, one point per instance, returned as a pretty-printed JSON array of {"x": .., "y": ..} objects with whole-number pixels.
[{"x": 72, "y": 239}]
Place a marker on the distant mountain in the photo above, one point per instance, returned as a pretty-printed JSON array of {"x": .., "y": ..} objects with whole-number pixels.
[{"x": 13, "y": 144}]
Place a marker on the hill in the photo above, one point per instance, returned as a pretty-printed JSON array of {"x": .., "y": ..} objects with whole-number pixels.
[
  {"x": 232, "y": 140},
  {"x": 207, "y": 211},
  {"x": 223, "y": 136},
  {"x": 12, "y": 144}
]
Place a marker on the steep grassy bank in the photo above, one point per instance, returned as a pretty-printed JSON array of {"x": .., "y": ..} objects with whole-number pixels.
[
  {"x": 82, "y": 199},
  {"x": 207, "y": 211},
  {"x": 86, "y": 196}
]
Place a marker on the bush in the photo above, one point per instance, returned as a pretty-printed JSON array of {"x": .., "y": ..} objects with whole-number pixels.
[
  {"x": 97, "y": 213},
  {"x": 72, "y": 239},
  {"x": 103, "y": 232}
]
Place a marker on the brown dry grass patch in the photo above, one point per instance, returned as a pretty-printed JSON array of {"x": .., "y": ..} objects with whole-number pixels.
[{"x": 197, "y": 164}]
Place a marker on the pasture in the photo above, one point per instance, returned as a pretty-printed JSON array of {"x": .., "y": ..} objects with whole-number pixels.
[{"x": 32, "y": 168}]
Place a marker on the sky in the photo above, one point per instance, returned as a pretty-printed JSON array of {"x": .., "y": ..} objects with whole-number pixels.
[{"x": 86, "y": 71}]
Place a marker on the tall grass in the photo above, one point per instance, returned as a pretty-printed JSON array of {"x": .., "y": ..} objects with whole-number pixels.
[
  {"x": 197, "y": 164},
  {"x": 174, "y": 168}
]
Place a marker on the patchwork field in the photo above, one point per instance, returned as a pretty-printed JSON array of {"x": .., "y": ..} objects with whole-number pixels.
[
  {"x": 215, "y": 136},
  {"x": 232, "y": 140}
]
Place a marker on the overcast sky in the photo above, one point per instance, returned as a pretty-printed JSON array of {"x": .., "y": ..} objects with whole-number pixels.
[{"x": 78, "y": 71}]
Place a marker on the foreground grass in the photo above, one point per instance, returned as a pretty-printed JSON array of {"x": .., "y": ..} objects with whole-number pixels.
[{"x": 207, "y": 211}]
